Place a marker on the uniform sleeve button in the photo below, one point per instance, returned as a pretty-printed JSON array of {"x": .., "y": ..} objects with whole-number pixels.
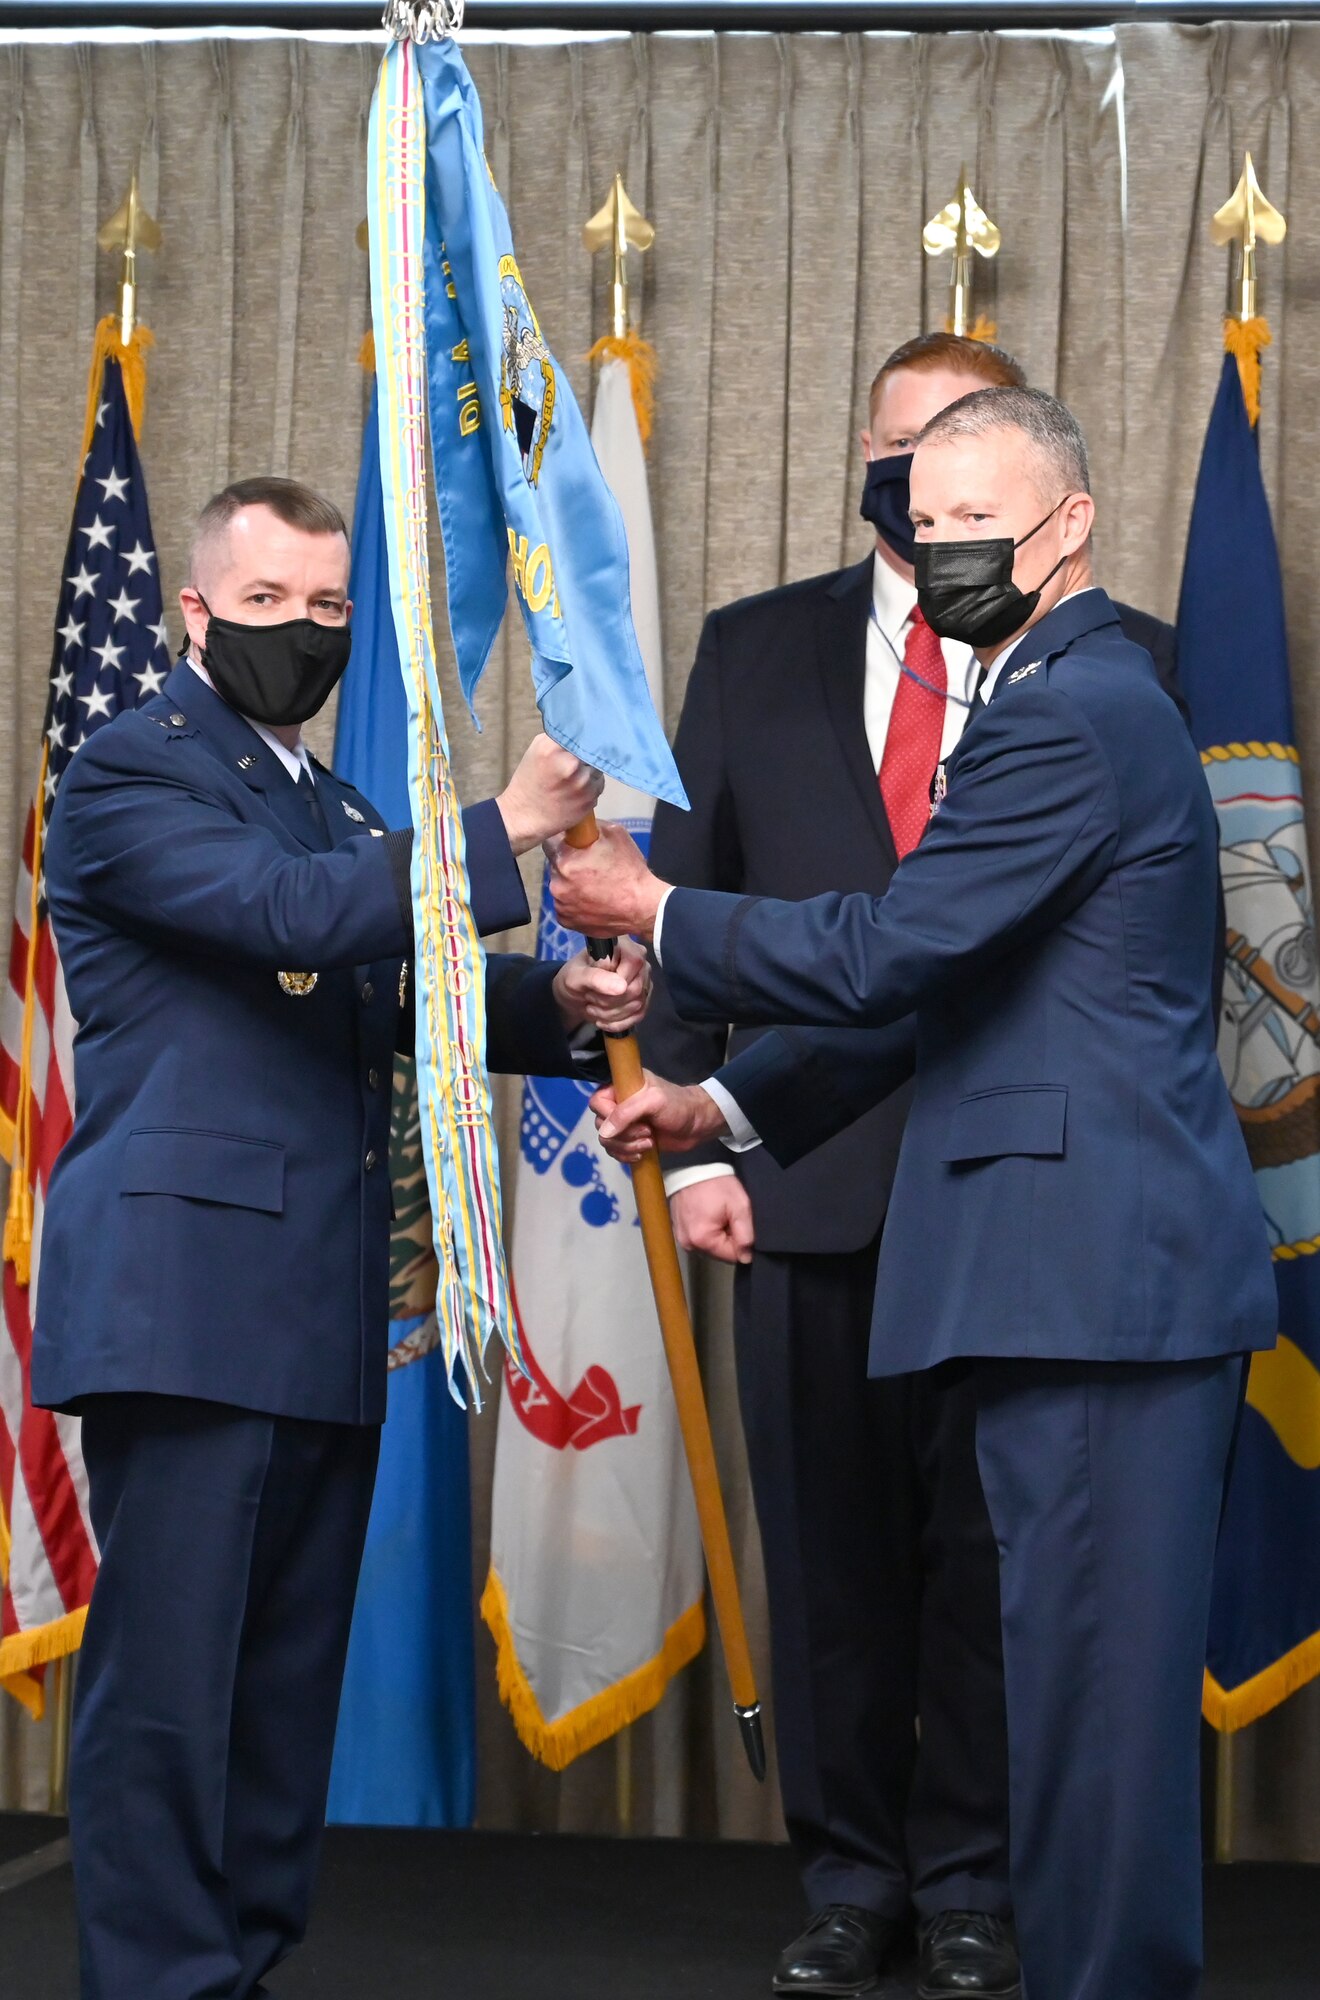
[
  {"x": 370, "y": 1160},
  {"x": 373, "y": 1079},
  {"x": 368, "y": 992}
]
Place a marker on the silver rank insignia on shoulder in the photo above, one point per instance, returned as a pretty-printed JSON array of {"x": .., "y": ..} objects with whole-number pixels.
[
  {"x": 298, "y": 984},
  {"x": 1022, "y": 673},
  {"x": 353, "y": 813},
  {"x": 376, "y": 832},
  {"x": 939, "y": 786}
]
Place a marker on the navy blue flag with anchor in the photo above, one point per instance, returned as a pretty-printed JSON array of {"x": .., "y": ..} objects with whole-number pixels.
[{"x": 1233, "y": 663}]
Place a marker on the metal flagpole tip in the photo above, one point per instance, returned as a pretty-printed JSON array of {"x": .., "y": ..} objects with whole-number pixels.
[
  {"x": 749, "y": 1722},
  {"x": 422, "y": 20}
]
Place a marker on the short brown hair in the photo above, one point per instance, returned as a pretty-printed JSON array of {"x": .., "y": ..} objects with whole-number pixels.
[
  {"x": 990, "y": 365},
  {"x": 288, "y": 499}
]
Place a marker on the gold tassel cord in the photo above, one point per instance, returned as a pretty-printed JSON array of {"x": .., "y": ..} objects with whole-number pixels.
[
  {"x": 367, "y": 353},
  {"x": 639, "y": 357},
  {"x": 1246, "y": 340},
  {"x": 132, "y": 359}
]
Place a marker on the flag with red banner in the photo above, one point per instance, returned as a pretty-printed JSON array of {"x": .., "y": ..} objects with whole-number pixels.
[{"x": 110, "y": 653}]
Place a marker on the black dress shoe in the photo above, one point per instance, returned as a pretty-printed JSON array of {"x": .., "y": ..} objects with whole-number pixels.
[
  {"x": 966, "y": 1952},
  {"x": 842, "y": 1950}
]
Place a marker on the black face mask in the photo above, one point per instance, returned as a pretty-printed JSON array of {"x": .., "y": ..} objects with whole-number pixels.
[
  {"x": 276, "y": 674},
  {"x": 885, "y": 503},
  {"x": 966, "y": 589}
]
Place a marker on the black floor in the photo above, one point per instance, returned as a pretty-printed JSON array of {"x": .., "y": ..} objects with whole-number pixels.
[{"x": 434, "y": 1916}]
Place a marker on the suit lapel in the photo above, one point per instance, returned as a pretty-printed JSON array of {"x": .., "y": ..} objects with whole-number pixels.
[{"x": 841, "y": 662}]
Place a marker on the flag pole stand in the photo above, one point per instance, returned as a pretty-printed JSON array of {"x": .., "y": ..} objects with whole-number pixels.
[
  {"x": 1224, "y": 1799},
  {"x": 61, "y": 1729},
  {"x": 628, "y": 1077}
]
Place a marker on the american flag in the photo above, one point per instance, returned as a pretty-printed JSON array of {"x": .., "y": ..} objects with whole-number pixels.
[{"x": 110, "y": 653}]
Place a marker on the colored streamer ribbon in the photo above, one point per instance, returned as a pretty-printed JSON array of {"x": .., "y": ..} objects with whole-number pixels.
[{"x": 472, "y": 1300}]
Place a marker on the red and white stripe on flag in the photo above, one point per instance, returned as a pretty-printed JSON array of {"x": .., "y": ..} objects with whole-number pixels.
[
  {"x": 110, "y": 652},
  {"x": 47, "y": 1551}
]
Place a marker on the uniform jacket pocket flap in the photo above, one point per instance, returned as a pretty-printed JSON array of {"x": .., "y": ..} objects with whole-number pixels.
[
  {"x": 205, "y": 1166},
  {"x": 994, "y": 1122}
]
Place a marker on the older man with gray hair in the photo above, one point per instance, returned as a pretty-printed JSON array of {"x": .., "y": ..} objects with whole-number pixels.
[{"x": 1073, "y": 1223}]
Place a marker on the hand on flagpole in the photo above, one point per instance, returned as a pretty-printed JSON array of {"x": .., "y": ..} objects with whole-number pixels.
[
  {"x": 677, "y": 1116},
  {"x": 611, "y": 993},
  {"x": 550, "y": 790},
  {"x": 605, "y": 890}
]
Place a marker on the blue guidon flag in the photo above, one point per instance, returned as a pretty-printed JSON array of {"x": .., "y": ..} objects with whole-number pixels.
[
  {"x": 1233, "y": 663},
  {"x": 519, "y": 493}
]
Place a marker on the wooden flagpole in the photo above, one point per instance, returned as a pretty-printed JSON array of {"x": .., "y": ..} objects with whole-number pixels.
[{"x": 628, "y": 1077}]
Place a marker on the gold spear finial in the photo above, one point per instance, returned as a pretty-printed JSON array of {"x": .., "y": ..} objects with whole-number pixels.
[
  {"x": 618, "y": 224},
  {"x": 1247, "y": 218},
  {"x": 961, "y": 227},
  {"x": 129, "y": 229}
]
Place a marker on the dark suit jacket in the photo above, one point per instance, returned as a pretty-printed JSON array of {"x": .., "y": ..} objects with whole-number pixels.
[
  {"x": 772, "y": 749},
  {"x": 785, "y": 803},
  {"x": 1073, "y": 1183},
  {"x": 218, "y": 1224}
]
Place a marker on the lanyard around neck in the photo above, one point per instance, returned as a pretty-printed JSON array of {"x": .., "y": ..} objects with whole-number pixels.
[{"x": 944, "y": 693}]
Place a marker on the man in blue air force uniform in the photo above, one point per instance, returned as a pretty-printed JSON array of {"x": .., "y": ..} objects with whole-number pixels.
[
  {"x": 1073, "y": 1222},
  {"x": 234, "y": 923}
]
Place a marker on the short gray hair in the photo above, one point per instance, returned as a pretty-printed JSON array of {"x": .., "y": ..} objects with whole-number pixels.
[{"x": 1048, "y": 425}]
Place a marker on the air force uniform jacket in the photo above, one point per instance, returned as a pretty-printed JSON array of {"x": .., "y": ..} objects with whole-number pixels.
[
  {"x": 1072, "y": 1182},
  {"x": 218, "y": 1224}
]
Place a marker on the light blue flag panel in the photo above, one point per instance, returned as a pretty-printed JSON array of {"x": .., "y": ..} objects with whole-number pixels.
[{"x": 517, "y": 482}]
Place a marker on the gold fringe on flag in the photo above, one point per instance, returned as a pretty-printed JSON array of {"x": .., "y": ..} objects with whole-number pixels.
[
  {"x": 556, "y": 1744},
  {"x": 639, "y": 357},
  {"x": 1245, "y": 340}
]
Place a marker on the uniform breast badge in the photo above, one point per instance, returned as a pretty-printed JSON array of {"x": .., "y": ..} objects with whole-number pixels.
[
  {"x": 299, "y": 984},
  {"x": 939, "y": 786},
  {"x": 353, "y": 813}
]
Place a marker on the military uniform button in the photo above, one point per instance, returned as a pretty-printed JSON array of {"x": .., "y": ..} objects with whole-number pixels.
[
  {"x": 177, "y": 721},
  {"x": 373, "y": 1079},
  {"x": 368, "y": 993},
  {"x": 370, "y": 1160}
]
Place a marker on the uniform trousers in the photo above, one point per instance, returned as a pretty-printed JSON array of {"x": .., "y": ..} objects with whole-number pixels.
[
  {"x": 1105, "y": 1484},
  {"x": 882, "y": 1579},
  {"x": 208, "y": 1687}
]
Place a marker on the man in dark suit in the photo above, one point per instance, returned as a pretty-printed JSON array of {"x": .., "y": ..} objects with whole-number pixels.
[
  {"x": 1073, "y": 1232},
  {"x": 214, "y": 1269},
  {"x": 813, "y": 721}
]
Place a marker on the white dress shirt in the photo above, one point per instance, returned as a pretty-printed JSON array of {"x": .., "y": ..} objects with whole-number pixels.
[
  {"x": 742, "y": 1135},
  {"x": 295, "y": 761}
]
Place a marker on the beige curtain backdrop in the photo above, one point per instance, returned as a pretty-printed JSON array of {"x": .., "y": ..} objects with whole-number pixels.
[{"x": 788, "y": 179}]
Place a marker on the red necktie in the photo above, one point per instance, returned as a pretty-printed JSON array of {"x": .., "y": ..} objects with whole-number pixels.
[{"x": 912, "y": 745}]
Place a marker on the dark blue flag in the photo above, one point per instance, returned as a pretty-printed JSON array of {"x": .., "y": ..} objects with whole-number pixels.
[
  {"x": 405, "y": 1751},
  {"x": 1233, "y": 661},
  {"x": 111, "y": 650}
]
